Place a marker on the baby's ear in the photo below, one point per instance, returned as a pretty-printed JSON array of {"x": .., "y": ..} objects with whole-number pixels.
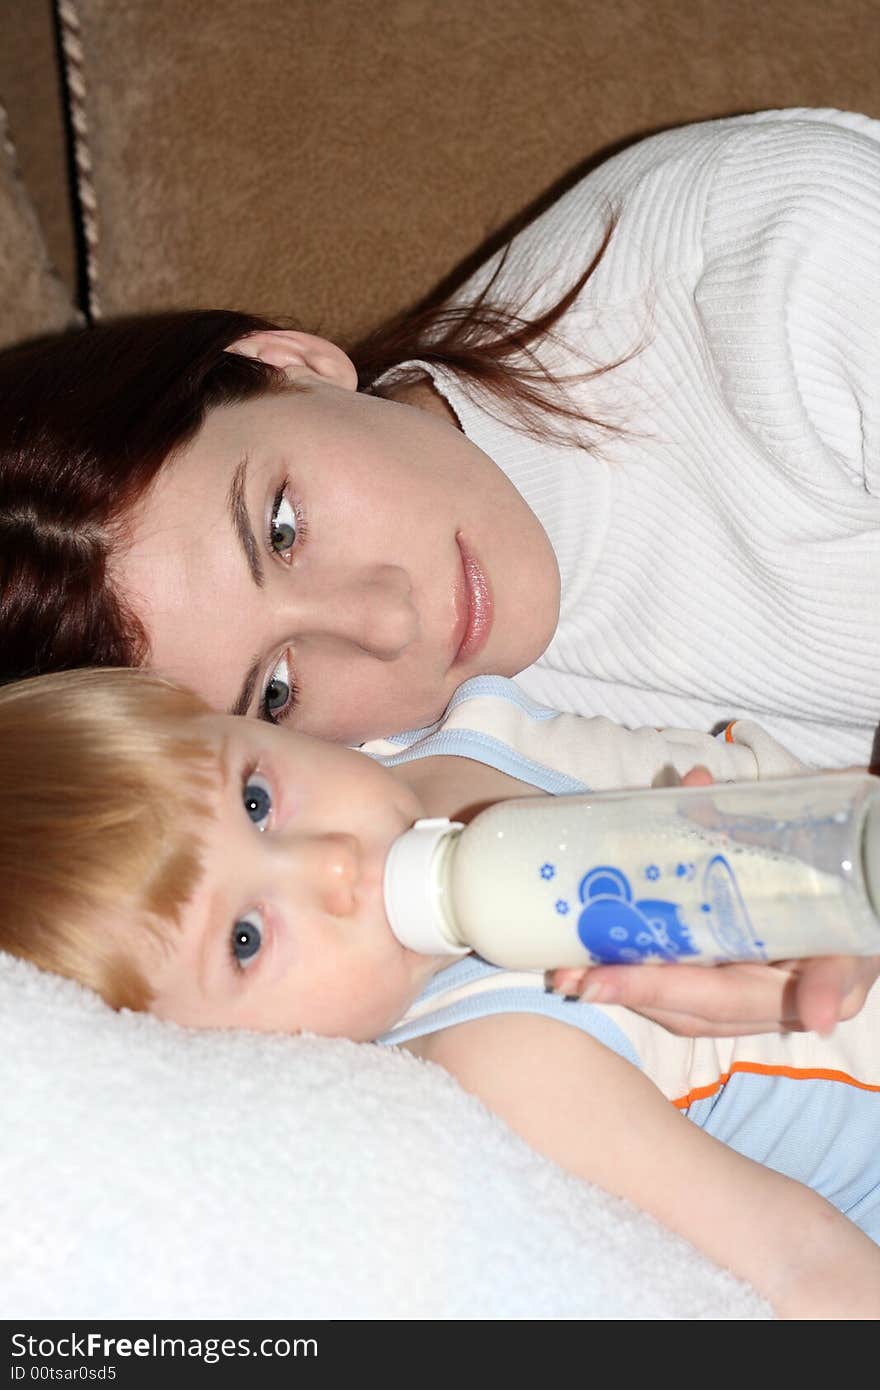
[{"x": 298, "y": 353}]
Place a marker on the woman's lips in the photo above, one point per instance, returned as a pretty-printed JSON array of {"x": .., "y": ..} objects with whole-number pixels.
[{"x": 473, "y": 606}]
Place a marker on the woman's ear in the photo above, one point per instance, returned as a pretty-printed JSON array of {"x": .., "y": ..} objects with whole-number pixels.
[{"x": 297, "y": 352}]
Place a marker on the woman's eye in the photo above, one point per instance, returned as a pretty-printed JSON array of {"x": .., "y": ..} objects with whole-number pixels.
[
  {"x": 257, "y": 798},
  {"x": 279, "y": 691},
  {"x": 283, "y": 526},
  {"x": 246, "y": 939}
]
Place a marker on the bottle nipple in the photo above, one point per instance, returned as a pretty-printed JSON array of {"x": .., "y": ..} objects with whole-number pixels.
[{"x": 412, "y": 891}]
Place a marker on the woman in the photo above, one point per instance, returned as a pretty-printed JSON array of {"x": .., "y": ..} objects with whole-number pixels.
[{"x": 632, "y": 463}]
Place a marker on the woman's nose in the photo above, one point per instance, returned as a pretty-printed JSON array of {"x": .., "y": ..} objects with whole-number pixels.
[{"x": 371, "y": 608}]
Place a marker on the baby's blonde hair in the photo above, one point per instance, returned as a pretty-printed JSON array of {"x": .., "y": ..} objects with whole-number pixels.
[{"x": 103, "y": 782}]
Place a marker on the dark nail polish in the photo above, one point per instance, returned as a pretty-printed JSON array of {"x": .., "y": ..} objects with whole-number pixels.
[{"x": 571, "y": 998}]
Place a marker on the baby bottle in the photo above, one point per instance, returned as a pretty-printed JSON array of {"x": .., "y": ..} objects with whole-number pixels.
[{"x": 734, "y": 871}]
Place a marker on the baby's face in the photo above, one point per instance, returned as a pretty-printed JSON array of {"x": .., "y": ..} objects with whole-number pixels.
[{"x": 287, "y": 928}]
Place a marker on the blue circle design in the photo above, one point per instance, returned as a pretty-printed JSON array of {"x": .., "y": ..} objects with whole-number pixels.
[
  {"x": 615, "y": 928},
  {"x": 604, "y": 881},
  {"x": 547, "y": 871},
  {"x": 652, "y": 872},
  {"x": 562, "y": 907}
]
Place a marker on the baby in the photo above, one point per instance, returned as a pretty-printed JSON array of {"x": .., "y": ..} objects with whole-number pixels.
[{"x": 222, "y": 872}]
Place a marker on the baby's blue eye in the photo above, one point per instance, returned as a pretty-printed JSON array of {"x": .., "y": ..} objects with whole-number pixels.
[
  {"x": 247, "y": 939},
  {"x": 257, "y": 799}
]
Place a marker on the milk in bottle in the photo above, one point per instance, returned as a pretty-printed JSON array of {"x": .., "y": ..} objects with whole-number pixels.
[{"x": 735, "y": 871}]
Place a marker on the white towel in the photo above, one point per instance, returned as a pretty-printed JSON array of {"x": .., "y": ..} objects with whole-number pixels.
[{"x": 150, "y": 1171}]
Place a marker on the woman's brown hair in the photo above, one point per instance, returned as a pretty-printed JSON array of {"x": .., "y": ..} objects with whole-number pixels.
[{"x": 87, "y": 421}]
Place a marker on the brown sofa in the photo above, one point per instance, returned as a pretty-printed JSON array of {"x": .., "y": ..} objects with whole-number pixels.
[{"x": 338, "y": 161}]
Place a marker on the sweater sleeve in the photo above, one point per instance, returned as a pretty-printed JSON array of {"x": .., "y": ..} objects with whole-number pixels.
[
  {"x": 789, "y": 293},
  {"x": 493, "y": 722},
  {"x": 605, "y": 755}
]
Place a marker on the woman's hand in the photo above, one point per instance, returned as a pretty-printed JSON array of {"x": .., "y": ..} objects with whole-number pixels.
[{"x": 730, "y": 1000}]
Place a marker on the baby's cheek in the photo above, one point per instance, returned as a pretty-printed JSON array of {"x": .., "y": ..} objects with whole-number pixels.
[
  {"x": 382, "y": 1014},
  {"x": 391, "y": 997},
  {"x": 359, "y": 1005}
]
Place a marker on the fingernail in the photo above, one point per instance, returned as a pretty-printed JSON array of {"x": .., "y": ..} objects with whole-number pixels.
[
  {"x": 667, "y": 777},
  {"x": 570, "y": 998}
]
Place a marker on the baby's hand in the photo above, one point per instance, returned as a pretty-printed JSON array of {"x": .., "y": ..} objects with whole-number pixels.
[{"x": 729, "y": 1000}]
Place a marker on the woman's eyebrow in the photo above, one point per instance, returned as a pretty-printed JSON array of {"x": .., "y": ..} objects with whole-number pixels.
[
  {"x": 236, "y": 502},
  {"x": 241, "y": 522},
  {"x": 242, "y": 702}
]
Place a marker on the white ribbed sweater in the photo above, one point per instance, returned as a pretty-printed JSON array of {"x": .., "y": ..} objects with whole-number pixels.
[{"x": 721, "y": 558}]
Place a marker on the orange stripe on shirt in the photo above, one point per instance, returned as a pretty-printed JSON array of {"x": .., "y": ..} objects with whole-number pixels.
[{"x": 759, "y": 1069}]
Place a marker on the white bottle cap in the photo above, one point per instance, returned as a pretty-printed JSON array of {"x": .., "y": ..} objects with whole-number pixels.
[{"x": 411, "y": 901}]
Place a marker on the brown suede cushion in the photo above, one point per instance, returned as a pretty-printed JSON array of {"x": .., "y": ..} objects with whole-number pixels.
[
  {"x": 32, "y": 298},
  {"x": 30, "y": 90},
  {"x": 334, "y": 160}
]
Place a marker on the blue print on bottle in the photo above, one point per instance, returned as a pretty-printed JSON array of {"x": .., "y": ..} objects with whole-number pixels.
[
  {"x": 617, "y": 930},
  {"x": 727, "y": 915}
]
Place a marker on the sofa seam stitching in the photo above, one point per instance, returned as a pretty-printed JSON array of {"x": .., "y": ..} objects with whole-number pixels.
[{"x": 85, "y": 194}]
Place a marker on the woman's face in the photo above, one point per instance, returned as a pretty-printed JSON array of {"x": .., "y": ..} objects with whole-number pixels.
[{"x": 335, "y": 560}]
